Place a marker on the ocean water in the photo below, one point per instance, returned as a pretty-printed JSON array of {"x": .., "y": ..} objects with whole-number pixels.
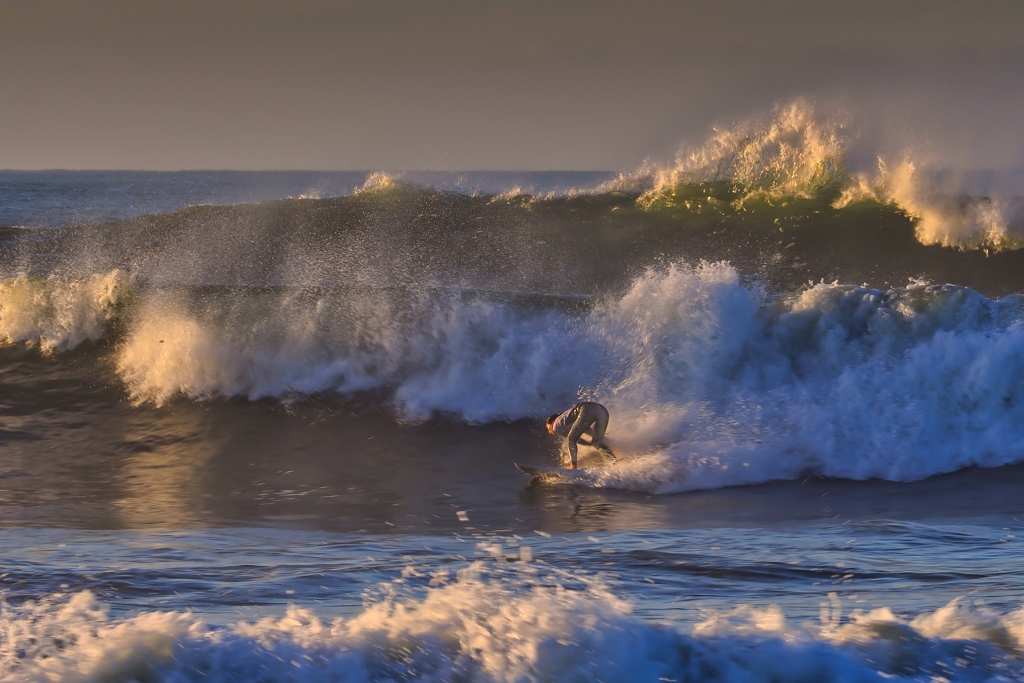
[{"x": 263, "y": 426}]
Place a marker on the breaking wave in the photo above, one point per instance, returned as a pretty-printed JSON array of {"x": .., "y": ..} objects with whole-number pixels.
[
  {"x": 943, "y": 217},
  {"x": 530, "y": 623},
  {"x": 796, "y": 152},
  {"x": 710, "y": 382}
]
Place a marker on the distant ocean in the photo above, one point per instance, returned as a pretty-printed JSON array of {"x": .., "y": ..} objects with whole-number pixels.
[{"x": 261, "y": 426}]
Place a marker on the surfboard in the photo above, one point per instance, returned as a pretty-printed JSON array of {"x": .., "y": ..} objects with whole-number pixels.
[{"x": 550, "y": 472}]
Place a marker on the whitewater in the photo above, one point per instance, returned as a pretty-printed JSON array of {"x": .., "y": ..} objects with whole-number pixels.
[{"x": 263, "y": 426}]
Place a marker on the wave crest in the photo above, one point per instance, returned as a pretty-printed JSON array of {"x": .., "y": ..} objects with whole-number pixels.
[
  {"x": 793, "y": 153},
  {"x": 989, "y": 223},
  {"x": 59, "y": 313}
]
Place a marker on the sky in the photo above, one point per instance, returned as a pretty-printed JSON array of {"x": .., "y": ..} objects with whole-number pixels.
[{"x": 490, "y": 84}]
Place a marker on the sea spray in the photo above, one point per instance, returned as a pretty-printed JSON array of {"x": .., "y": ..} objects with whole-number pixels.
[
  {"x": 792, "y": 153},
  {"x": 435, "y": 350}
]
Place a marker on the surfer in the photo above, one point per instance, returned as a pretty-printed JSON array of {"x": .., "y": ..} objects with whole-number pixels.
[{"x": 583, "y": 418}]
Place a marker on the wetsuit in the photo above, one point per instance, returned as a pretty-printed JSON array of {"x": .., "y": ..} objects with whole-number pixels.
[{"x": 583, "y": 418}]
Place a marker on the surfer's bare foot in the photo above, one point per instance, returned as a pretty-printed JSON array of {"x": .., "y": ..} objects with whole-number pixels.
[{"x": 571, "y": 466}]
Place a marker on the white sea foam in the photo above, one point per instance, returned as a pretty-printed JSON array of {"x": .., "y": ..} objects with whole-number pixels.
[
  {"x": 58, "y": 313},
  {"x": 436, "y": 354},
  {"x": 520, "y": 624}
]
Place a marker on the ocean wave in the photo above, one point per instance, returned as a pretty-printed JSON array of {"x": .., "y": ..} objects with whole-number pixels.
[
  {"x": 527, "y": 623},
  {"x": 711, "y": 382},
  {"x": 799, "y": 160},
  {"x": 714, "y": 384},
  {"x": 797, "y": 152}
]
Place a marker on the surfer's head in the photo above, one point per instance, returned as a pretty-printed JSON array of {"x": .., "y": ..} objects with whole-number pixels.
[{"x": 551, "y": 423}]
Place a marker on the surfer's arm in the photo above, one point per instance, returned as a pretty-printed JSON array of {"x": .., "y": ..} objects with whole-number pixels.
[{"x": 572, "y": 451}]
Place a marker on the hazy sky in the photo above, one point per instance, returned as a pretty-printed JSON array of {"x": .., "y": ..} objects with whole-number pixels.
[{"x": 481, "y": 84}]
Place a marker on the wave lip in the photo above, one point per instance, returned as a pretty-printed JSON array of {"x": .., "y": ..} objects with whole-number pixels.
[{"x": 944, "y": 217}]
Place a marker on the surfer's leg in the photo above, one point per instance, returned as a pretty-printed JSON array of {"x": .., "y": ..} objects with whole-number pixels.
[
  {"x": 592, "y": 421},
  {"x": 606, "y": 451},
  {"x": 579, "y": 427},
  {"x": 600, "y": 425},
  {"x": 598, "y": 417}
]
